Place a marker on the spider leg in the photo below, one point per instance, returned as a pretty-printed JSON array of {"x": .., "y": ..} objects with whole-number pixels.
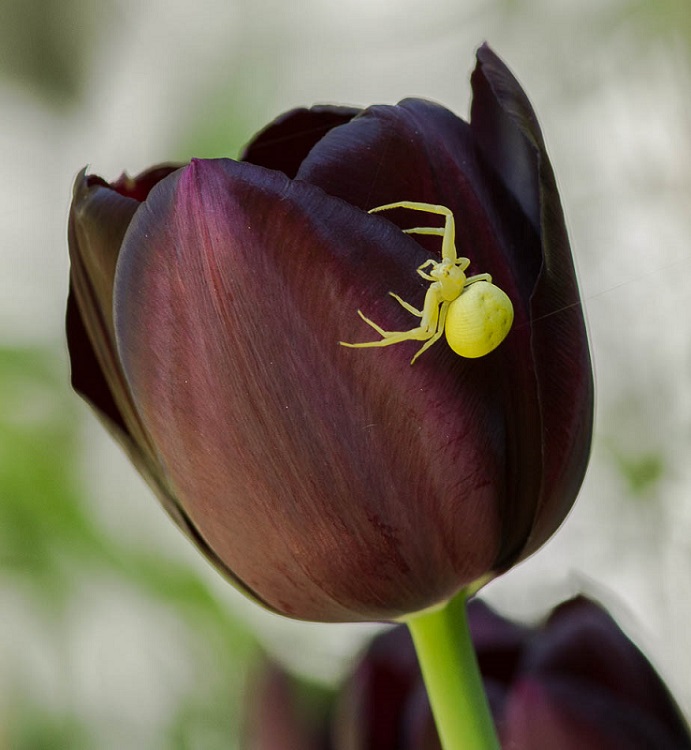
[
  {"x": 437, "y": 334},
  {"x": 478, "y": 277},
  {"x": 448, "y": 247},
  {"x": 448, "y": 244},
  {"x": 448, "y": 281},
  {"x": 429, "y": 262},
  {"x": 390, "y": 337},
  {"x": 426, "y": 276},
  {"x": 427, "y": 329},
  {"x": 430, "y": 208},
  {"x": 371, "y": 323},
  {"x": 406, "y": 305},
  {"x": 425, "y": 230}
]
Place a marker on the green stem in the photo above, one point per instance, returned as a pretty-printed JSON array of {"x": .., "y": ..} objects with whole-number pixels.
[{"x": 452, "y": 676}]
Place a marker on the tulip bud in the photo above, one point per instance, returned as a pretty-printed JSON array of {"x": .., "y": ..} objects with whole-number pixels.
[{"x": 206, "y": 306}]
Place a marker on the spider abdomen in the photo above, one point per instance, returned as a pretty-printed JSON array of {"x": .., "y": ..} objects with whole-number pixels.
[{"x": 478, "y": 320}]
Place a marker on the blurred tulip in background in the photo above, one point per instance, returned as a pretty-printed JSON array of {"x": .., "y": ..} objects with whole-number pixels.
[{"x": 574, "y": 681}]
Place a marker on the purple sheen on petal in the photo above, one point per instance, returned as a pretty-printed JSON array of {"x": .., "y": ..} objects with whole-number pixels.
[
  {"x": 316, "y": 473},
  {"x": 533, "y": 722},
  {"x": 506, "y": 129},
  {"x": 582, "y": 640},
  {"x": 97, "y": 223},
  {"x": 565, "y": 714},
  {"x": 509, "y": 136},
  {"x": 99, "y": 217},
  {"x": 283, "y": 144}
]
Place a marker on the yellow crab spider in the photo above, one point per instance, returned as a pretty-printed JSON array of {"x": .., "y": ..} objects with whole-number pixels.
[{"x": 474, "y": 314}]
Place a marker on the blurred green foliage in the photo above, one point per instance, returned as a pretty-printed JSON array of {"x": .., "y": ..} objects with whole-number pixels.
[
  {"x": 641, "y": 472},
  {"x": 45, "y": 45},
  {"x": 49, "y": 539},
  {"x": 220, "y": 127},
  {"x": 40, "y": 513},
  {"x": 657, "y": 19}
]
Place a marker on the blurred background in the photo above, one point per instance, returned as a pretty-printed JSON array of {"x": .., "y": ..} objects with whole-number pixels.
[{"x": 114, "y": 632}]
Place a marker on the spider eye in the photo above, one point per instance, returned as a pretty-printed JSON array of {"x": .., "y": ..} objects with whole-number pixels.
[{"x": 479, "y": 320}]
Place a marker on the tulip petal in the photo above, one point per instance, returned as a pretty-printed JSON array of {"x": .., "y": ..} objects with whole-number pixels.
[
  {"x": 376, "y": 704},
  {"x": 533, "y": 722},
  {"x": 509, "y": 136},
  {"x": 580, "y": 628},
  {"x": 498, "y": 642},
  {"x": 336, "y": 484},
  {"x": 284, "y": 143},
  {"x": 565, "y": 714},
  {"x": 99, "y": 217},
  {"x": 419, "y": 151},
  {"x": 506, "y": 129}
]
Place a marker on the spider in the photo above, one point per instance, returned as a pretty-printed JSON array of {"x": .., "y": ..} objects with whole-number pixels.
[{"x": 474, "y": 314}]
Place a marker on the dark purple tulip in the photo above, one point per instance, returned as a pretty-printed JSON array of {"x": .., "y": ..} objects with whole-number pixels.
[
  {"x": 574, "y": 683},
  {"x": 205, "y": 312}
]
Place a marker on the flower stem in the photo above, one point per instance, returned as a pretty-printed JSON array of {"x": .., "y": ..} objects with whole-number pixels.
[{"x": 452, "y": 676}]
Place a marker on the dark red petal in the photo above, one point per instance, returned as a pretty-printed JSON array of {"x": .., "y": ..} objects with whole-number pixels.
[
  {"x": 419, "y": 151},
  {"x": 284, "y": 143},
  {"x": 498, "y": 643},
  {"x": 557, "y": 713},
  {"x": 582, "y": 644},
  {"x": 140, "y": 186},
  {"x": 505, "y": 126},
  {"x": 533, "y": 722},
  {"x": 338, "y": 484},
  {"x": 506, "y": 129},
  {"x": 99, "y": 217},
  {"x": 98, "y": 220},
  {"x": 372, "y": 708}
]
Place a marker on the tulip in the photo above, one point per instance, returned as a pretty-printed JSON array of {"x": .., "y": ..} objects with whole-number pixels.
[
  {"x": 574, "y": 682},
  {"x": 333, "y": 484}
]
